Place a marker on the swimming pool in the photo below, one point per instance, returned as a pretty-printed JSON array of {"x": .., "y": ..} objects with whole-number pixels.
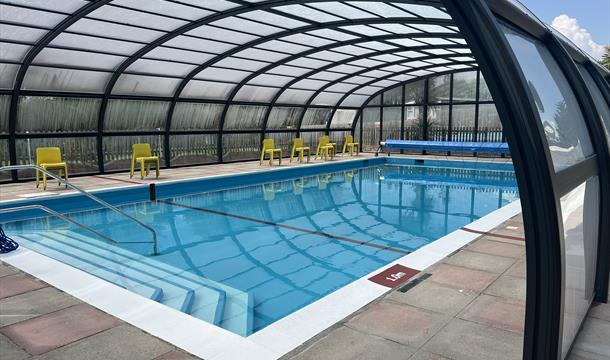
[{"x": 244, "y": 257}]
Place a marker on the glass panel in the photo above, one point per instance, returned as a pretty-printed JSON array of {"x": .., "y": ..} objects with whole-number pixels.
[
  {"x": 135, "y": 115},
  {"x": 438, "y": 123},
  {"x": 207, "y": 90},
  {"x": 462, "y": 123},
  {"x": 414, "y": 92},
  {"x": 414, "y": 123},
  {"x": 598, "y": 98},
  {"x": 262, "y": 94},
  {"x": 310, "y": 138},
  {"x": 282, "y": 141},
  {"x": 391, "y": 123},
  {"x": 316, "y": 118},
  {"x": 343, "y": 118},
  {"x": 294, "y": 96},
  {"x": 7, "y": 75},
  {"x": 240, "y": 147},
  {"x": 490, "y": 126},
  {"x": 193, "y": 149},
  {"x": 5, "y": 103},
  {"x": 393, "y": 97},
  {"x": 465, "y": 86},
  {"x": 327, "y": 98},
  {"x": 68, "y": 58},
  {"x": 338, "y": 137},
  {"x": 562, "y": 120},
  {"x": 117, "y": 150},
  {"x": 354, "y": 100},
  {"x": 54, "y": 79},
  {"x": 580, "y": 214},
  {"x": 484, "y": 94},
  {"x": 284, "y": 117},
  {"x": 370, "y": 128},
  {"x": 4, "y": 159},
  {"x": 245, "y": 117},
  {"x": 196, "y": 116},
  {"x": 80, "y": 153},
  {"x": 145, "y": 85},
  {"x": 438, "y": 89},
  {"x": 48, "y": 114},
  {"x": 376, "y": 100}
]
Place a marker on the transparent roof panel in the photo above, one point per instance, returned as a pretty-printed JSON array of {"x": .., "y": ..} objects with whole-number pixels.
[
  {"x": 207, "y": 90},
  {"x": 283, "y": 46},
  {"x": 115, "y": 31},
  {"x": 381, "y": 9},
  {"x": 197, "y": 44},
  {"x": 171, "y": 54},
  {"x": 156, "y": 67},
  {"x": 424, "y": 11},
  {"x": 173, "y": 9},
  {"x": 134, "y": 17},
  {"x": 396, "y": 28},
  {"x": 241, "y": 64},
  {"x": 346, "y": 11},
  {"x": 67, "y": 6},
  {"x": 354, "y": 100},
  {"x": 289, "y": 70},
  {"x": 294, "y": 96},
  {"x": 129, "y": 84},
  {"x": 21, "y": 33},
  {"x": 307, "y": 13},
  {"x": 237, "y": 23},
  {"x": 55, "y": 79},
  {"x": 308, "y": 39},
  {"x": 85, "y": 42},
  {"x": 13, "y": 52},
  {"x": 256, "y": 93},
  {"x": 7, "y": 75},
  {"x": 221, "y": 34},
  {"x": 274, "y": 19},
  {"x": 20, "y": 15},
  {"x": 333, "y": 34},
  {"x": 220, "y": 74},
  {"x": 308, "y": 63},
  {"x": 68, "y": 58}
]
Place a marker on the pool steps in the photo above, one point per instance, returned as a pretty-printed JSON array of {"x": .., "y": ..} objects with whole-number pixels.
[{"x": 187, "y": 292}]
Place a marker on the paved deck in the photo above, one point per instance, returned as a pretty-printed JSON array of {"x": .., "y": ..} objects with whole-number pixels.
[{"x": 469, "y": 306}]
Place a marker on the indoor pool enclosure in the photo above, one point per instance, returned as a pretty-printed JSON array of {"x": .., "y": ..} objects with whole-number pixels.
[{"x": 210, "y": 82}]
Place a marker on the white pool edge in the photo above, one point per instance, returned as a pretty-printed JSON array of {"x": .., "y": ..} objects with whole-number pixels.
[{"x": 214, "y": 343}]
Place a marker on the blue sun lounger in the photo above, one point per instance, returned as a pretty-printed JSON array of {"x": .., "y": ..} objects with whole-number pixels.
[{"x": 486, "y": 147}]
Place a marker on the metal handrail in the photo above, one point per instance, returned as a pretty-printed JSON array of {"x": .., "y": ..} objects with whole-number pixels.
[{"x": 90, "y": 196}]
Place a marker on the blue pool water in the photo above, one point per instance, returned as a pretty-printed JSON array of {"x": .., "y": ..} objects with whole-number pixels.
[{"x": 244, "y": 257}]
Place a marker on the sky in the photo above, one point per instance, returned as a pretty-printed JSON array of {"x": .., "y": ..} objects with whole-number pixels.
[{"x": 585, "y": 22}]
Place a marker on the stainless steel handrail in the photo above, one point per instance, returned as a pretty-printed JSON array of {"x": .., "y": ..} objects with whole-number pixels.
[{"x": 90, "y": 196}]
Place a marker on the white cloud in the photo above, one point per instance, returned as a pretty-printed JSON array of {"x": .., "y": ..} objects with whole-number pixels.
[{"x": 581, "y": 37}]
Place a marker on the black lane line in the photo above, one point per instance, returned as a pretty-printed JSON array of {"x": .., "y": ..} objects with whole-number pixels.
[{"x": 265, "y": 222}]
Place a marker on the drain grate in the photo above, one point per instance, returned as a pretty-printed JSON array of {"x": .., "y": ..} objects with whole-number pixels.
[{"x": 414, "y": 283}]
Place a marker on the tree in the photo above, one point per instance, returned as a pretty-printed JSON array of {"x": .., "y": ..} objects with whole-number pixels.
[{"x": 605, "y": 61}]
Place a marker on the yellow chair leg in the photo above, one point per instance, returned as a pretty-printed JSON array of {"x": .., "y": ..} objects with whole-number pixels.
[
  {"x": 157, "y": 168},
  {"x": 281, "y": 157},
  {"x": 142, "y": 169},
  {"x": 37, "y": 179},
  {"x": 133, "y": 164},
  {"x": 262, "y": 158},
  {"x": 44, "y": 181},
  {"x": 66, "y": 174},
  {"x": 308, "y": 155},
  {"x": 271, "y": 159}
]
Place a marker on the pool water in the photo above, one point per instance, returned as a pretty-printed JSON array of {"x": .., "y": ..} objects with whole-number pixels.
[{"x": 242, "y": 258}]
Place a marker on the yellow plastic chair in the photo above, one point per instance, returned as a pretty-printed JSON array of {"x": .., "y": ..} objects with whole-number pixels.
[
  {"x": 141, "y": 154},
  {"x": 269, "y": 148},
  {"x": 351, "y": 145},
  {"x": 297, "y": 147},
  {"x": 325, "y": 147},
  {"x": 49, "y": 158}
]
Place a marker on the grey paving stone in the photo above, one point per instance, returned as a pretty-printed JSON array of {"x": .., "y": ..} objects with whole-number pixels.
[
  {"x": 6, "y": 269},
  {"x": 464, "y": 340},
  {"x": 398, "y": 322},
  {"x": 124, "y": 342},
  {"x": 176, "y": 355},
  {"x": 480, "y": 261},
  {"x": 10, "y": 351},
  {"x": 347, "y": 344},
  {"x": 34, "y": 303},
  {"x": 436, "y": 297},
  {"x": 508, "y": 287},
  {"x": 594, "y": 338},
  {"x": 425, "y": 355}
]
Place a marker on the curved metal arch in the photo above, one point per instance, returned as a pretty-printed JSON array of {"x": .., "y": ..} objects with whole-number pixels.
[
  {"x": 27, "y": 61},
  {"x": 350, "y": 92},
  {"x": 283, "y": 61},
  {"x": 345, "y": 61}
]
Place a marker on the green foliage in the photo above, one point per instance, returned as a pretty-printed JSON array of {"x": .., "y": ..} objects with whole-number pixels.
[{"x": 605, "y": 61}]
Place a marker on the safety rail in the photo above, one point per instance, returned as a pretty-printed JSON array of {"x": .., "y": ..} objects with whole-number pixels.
[{"x": 85, "y": 193}]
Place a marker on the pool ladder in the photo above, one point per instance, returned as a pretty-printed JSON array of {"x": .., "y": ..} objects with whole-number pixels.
[{"x": 85, "y": 193}]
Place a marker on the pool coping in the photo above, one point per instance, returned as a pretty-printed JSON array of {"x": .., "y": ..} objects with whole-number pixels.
[{"x": 214, "y": 343}]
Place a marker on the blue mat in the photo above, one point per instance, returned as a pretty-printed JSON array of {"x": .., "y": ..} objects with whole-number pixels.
[{"x": 490, "y": 147}]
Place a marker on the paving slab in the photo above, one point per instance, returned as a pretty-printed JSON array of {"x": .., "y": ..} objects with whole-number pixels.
[
  {"x": 600, "y": 311},
  {"x": 465, "y": 340},
  {"x": 346, "y": 344},
  {"x": 398, "y": 322},
  {"x": 6, "y": 269},
  {"x": 20, "y": 283},
  {"x": 48, "y": 332},
  {"x": 508, "y": 287},
  {"x": 435, "y": 297},
  {"x": 124, "y": 342},
  {"x": 461, "y": 277},
  {"x": 176, "y": 355},
  {"x": 34, "y": 303},
  {"x": 487, "y": 246},
  {"x": 425, "y": 355},
  {"x": 10, "y": 351},
  {"x": 519, "y": 269},
  {"x": 501, "y": 313},
  {"x": 594, "y": 338},
  {"x": 480, "y": 261}
]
